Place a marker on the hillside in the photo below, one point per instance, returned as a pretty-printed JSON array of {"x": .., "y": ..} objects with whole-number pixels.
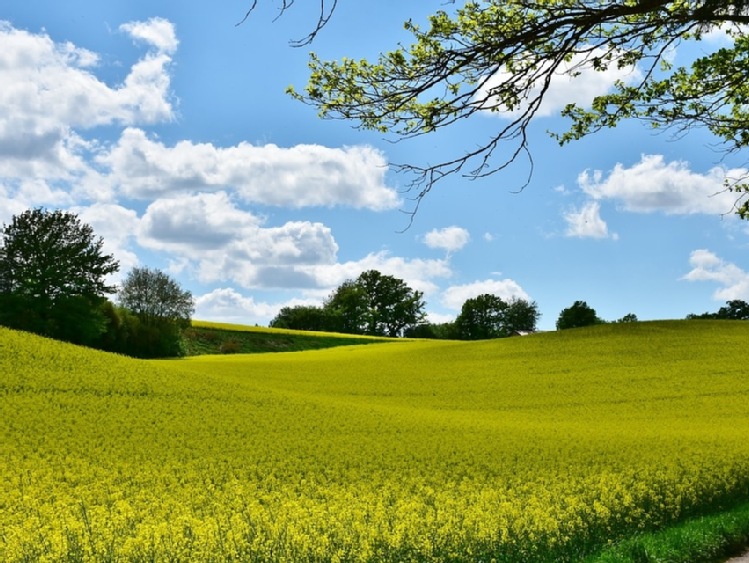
[
  {"x": 221, "y": 338},
  {"x": 553, "y": 447}
]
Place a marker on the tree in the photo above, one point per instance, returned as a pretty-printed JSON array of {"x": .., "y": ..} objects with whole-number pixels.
[
  {"x": 303, "y": 317},
  {"x": 578, "y": 315},
  {"x": 521, "y": 316},
  {"x": 154, "y": 296},
  {"x": 628, "y": 318},
  {"x": 53, "y": 276},
  {"x": 502, "y": 56},
  {"x": 488, "y": 316},
  {"x": 376, "y": 304},
  {"x": 736, "y": 310},
  {"x": 161, "y": 310},
  {"x": 481, "y": 317}
]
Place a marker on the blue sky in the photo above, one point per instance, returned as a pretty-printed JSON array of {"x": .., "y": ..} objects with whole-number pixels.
[{"x": 166, "y": 127}]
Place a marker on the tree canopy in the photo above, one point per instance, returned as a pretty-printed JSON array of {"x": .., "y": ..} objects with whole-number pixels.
[
  {"x": 53, "y": 276},
  {"x": 578, "y": 315},
  {"x": 155, "y": 297},
  {"x": 489, "y": 316},
  {"x": 376, "y": 304},
  {"x": 502, "y": 56}
]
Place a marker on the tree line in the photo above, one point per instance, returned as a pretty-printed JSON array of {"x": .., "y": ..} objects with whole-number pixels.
[
  {"x": 376, "y": 304},
  {"x": 53, "y": 272}
]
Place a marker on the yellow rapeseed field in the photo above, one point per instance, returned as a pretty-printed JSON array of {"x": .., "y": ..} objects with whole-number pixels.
[{"x": 543, "y": 448}]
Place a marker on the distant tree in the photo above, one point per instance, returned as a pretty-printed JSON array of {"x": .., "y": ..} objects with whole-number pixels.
[
  {"x": 737, "y": 310},
  {"x": 435, "y": 331},
  {"x": 375, "y": 304},
  {"x": 628, "y": 318},
  {"x": 162, "y": 309},
  {"x": 481, "y": 317},
  {"x": 520, "y": 316},
  {"x": 488, "y": 316},
  {"x": 303, "y": 317},
  {"x": 346, "y": 308},
  {"x": 578, "y": 315},
  {"x": 53, "y": 276}
]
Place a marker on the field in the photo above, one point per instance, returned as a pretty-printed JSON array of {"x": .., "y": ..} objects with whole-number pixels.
[{"x": 552, "y": 447}]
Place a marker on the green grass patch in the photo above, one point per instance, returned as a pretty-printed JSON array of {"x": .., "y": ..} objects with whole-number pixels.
[
  {"x": 223, "y": 338},
  {"x": 707, "y": 539}
]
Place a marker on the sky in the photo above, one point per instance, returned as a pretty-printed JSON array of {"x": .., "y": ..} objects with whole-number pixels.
[{"x": 166, "y": 127}]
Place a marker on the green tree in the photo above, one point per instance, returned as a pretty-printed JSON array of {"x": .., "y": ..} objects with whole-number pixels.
[
  {"x": 489, "y": 316},
  {"x": 435, "y": 331},
  {"x": 481, "y": 317},
  {"x": 502, "y": 55},
  {"x": 736, "y": 310},
  {"x": 53, "y": 276},
  {"x": 161, "y": 311},
  {"x": 303, "y": 317},
  {"x": 578, "y": 315},
  {"x": 520, "y": 316},
  {"x": 376, "y": 304}
]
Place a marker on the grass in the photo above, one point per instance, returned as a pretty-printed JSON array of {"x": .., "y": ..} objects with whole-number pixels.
[
  {"x": 707, "y": 539},
  {"x": 615, "y": 443},
  {"x": 222, "y": 338}
]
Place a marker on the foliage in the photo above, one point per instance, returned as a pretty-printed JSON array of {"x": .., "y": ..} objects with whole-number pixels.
[
  {"x": 53, "y": 276},
  {"x": 154, "y": 310},
  {"x": 481, "y": 317},
  {"x": 155, "y": 297},
  {"x": 304, "y": 317},
  {"x": 538, "y": 449},
  {"x": 375, "y": 304},
  {"x": 438, "y": 331},
  {"x": 489, "y": 316},
  {"x": 735, "y": 310},
  {"x": 628, "y": 318},
  {"x": 501, "y": 56},
  {"x": 578, "y": 315}
]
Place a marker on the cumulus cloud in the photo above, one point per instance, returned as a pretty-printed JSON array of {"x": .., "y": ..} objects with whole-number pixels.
[
  {"x": 228, "y": 305},
  {"x": 565, "y": 88},
  {"x": 300, "y": 176},
  {"x": 586, "y": 222},
  {"x": 157, "y": 32},
  {"x": 656, "y": 185},
  {"x": 49, "y": 88},
  {"x": 707, "y": 266},
  {"x": 454, "y": 297},
  {"x": 449, "y": 239}
]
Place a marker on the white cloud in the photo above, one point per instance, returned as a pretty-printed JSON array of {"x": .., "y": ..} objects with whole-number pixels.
[
  {"x": 49, "y": 95},
  {"x": 565, "y": 88},
  {"x": 48, "y": 88},
  {"x": 655, "y": 185},
  {"x": 586, "y": 222},
  {"x": 454, "y": 297},
  {"x": 303, "y": 175},
  {"x": 229, "y": 306},
  {"x": 706, "y": 266},
  {"x": 449, "y": 239},
  {"x": 223, "y": 242},
  {"x": 158, "y": 32},
  {"x": 195, "y": 224}
]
